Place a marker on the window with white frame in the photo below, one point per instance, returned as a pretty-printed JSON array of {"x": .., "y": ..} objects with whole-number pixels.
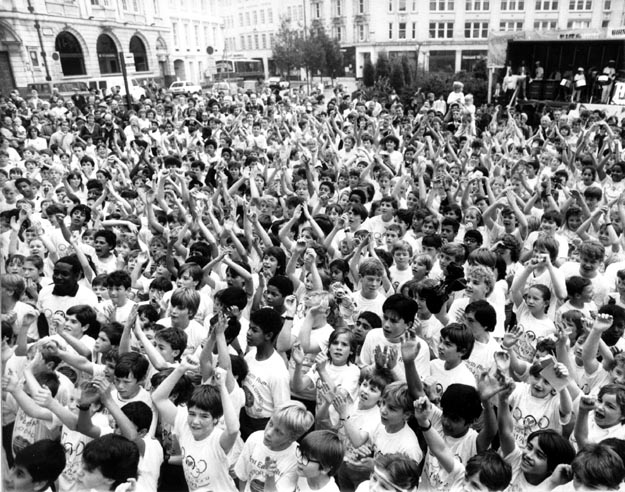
[
  {"x": 441, "y": 30},
  {"x": 511, "y": 26},
  {"x": 135, "y": 6},
  {"x": 264, "y": 40},
  {"x": 240, "y": 18},
  {"x": 390, "y": 30},
  {"x": 472, "y": 5},
  {"x": 247, "y": 18},
  {"x": 206, "y": 38},
  {"x": 361, "y": 6},
  {"x": 442, "y": 5},
  {"x": 414, "y": 30},
  {"x": 578, "y": 24},
  {"x": 156, "y": 9},
  {"x": 607, "y": 4},
  {"x": 242, "y": 42},
  {"x": 339, "y": 33},
  {"x": 390, "y": 5},
  {"x": 174, "y": 33},
  {"x": 339, "y": 8},
  {"x": 316, "y": 10},
  {"x": 186, "y": 35},
  {"x": 545, "y": 25},
  {"x": 546, "y": 4},
  {"x": 401, "y": 6},
  {"x": 361, "y": 32},
  {"x": 255, "y": 41},
  {"x": 605, "y": 22},
  {"x": 124, "y": 4},
  {"x": 580, "y": 4},
  {"x": 196, "y": 32},
  {"x": 255, "y": 18},
  {"x": 475, "y": 30},
  {"x": 402, "y": 30},
  {"x": 512, "y": 4},
  {"x": 261, "y": 14}
]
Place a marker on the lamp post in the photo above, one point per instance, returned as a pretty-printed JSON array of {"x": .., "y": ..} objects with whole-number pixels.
[{"x": 44, "y": 57}]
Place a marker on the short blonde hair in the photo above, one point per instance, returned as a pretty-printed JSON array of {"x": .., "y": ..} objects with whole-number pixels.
[
  {"x": 481, "y": 272},
  {"x": 295, "y": 417}
]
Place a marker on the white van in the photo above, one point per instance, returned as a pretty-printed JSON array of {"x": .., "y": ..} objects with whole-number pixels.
[{"x": 106, "y": 84}]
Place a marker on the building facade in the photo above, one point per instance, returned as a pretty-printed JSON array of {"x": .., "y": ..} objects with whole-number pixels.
[
  {"x": 438, "y": 35},
  {"x": 196, "y": 37}
]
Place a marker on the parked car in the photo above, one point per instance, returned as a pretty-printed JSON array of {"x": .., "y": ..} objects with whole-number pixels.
[
  {"x": 228, "y": 88},
  {"x": 65, "y": 89},
  {"x": 184, "y": 87}
]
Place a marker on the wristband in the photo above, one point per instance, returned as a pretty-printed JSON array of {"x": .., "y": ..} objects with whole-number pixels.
[
  {"x": 290, "y": 318},
  {"x": 83, "y": 408},
  {"x": 425, "y": 429}
]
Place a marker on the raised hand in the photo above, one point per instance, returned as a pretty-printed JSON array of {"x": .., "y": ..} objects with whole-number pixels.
[
  {"x": 410, "y": 346},
  {"x": 220, "y": 376},
  {"x": 290, "y": 305},
  {"x": 297, "y": 354},
  {"x": 587, "y": 403},
  {"x": 43, "y": 397},
  {"x": 512, "y": 336},
  {"x": 423, "y": 408},
  {"x": 190, "y": 363},
  {"x": 602, "y": 322}
]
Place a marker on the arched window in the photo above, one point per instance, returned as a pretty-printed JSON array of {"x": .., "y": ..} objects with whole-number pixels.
[
  {"x": 137, "y": 48},
  {"x": 70, "y": 54},
  {"x": 107, "y": 55}
]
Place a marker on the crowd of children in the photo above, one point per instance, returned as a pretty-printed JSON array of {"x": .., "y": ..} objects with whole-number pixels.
[{"x": 279, "y": 292}]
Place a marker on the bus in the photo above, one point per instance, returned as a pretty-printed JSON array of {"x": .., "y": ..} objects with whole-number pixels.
[{"x": 239, "y": 69}]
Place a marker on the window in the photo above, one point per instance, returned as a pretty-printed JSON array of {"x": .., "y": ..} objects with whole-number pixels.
[
  {"x": 607, "y": 4},
  {"x": 339, "y": 33},
  {"x": 546, "y": 4},
  {"x": 156, "y": 10},
  {"x": 402, "y": 6},
  {"x": 475, "y": 30},
  {"x": 544, "y": 25},
  {"x": 605, "y": 23},
  {"x": 206, "y": 39},
  {"x": 270, "y": 20},
  {"x": 242, "y": 42},
  {"x": 249, "y": 42},
  {"x": 255, "y": 18},
  {"x": 512, "y": 4},
  {"x": 442, "y": 61},
  {"x": 477, "y": 5},
  {"x": 255, "y": 41},
  {"x": 124, "y": 4},
  {"x": 186, "y": 35},
  {"x": 441, "y": 4},
  {"x": 137, "y": 48},
  {"x": 315, "y": 8},
  {"x": 247, "y": 18},
  {"x": 339, "y": 8},
  {"x": 390, "y": 5},
  {"x": 108, "y": 56},
  {"x": 441, "y": 30},
  {"x": 196, "y": 30},
  {"x": 361, "y": 32},
  {"x": 390, "y": 30},
  {"x": 402, "y": 30},
  {"x": 361, "y": 6},
  {"x": 240, "y": 18},
  {"x": 511, "y": 26},
  {"x": 262, "y": 16},
  {"x": 70, "y": 54},
  {"x": 578, "y": 24},
  {"x": 174, "y": 33},
  {"x": 135, "y": 5},
  {"x": 264, "y": 40},
  {"x": 580, "y": 4},
  {"x": 414, "y": 30}
]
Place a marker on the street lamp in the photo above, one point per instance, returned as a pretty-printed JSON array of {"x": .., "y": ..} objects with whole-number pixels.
[{"x": 31, "y": 9}]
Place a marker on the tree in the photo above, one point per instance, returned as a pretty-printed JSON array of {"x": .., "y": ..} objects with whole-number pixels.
[
  {"x": 368, "y": 74},
  {"x": 382, "y": 65},
  {"x": 287, "y": 52},
  {"x": 397, "y": 76},
  {"x": 406, "y": 65}
]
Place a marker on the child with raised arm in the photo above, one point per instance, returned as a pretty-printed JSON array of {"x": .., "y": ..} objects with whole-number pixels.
[
  {"x": 483, "y": 471},
  {"x": 359, "y": 419},
  {"x": 269, "y": 460},
  {"x": 204, "y": 446}
]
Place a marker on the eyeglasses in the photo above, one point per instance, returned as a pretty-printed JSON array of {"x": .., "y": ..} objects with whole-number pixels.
[{"x": 302, "y": 458}]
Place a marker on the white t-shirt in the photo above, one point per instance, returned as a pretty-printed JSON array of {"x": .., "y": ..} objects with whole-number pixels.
[
  {"x": 404, "y": 441},
  {"x": 460, "y": 374},
  {"x": 204, "y": 462},
  {"x": 266, "y": 385},
  {"x": 482, "y": 356},
  {"x": 365, "y": 421},
  {"x": 375, "y": 337},
  {"x": 374, "y": 305},
  {"x": 150, "y": 465},
  {"x": 599, "y": 282},
  {"x": 256, "y": 458},
  {"x": 196, "y": 333},
  {"x": 302, "y": 486},
  {"x": 48, "y": 303}
]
